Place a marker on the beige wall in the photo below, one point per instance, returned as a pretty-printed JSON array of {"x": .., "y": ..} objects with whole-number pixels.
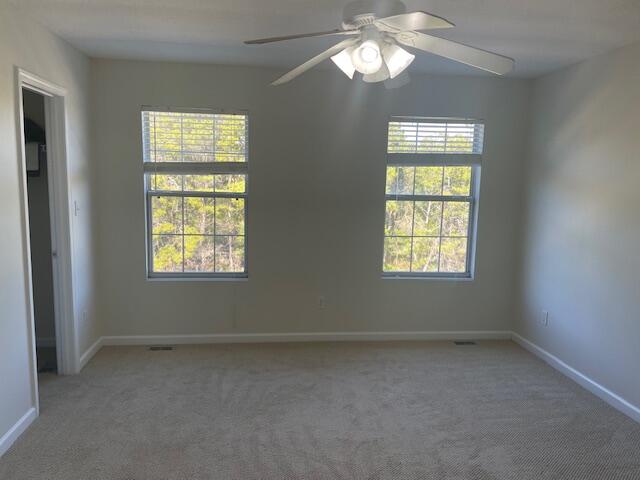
[
  {"x": 582, "y": 228},
  {"x": 316, "y": 204},
  {"x": 25, "y": 44}
]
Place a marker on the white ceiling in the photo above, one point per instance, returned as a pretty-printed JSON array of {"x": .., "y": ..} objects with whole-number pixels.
[{"x": 542, "y": 35}]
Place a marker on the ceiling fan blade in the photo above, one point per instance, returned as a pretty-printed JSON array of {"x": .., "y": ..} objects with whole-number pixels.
[
  {"x": 491, "y": 62},
  {"x": 314, "y": 61},
  {"x": 412, "y": 21},
  {"x": 261, "y": 41}
]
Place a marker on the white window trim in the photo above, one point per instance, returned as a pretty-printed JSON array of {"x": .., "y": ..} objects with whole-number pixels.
[
  {"x": 473, "y": 160},
  {"x": 187, "y": 168}
]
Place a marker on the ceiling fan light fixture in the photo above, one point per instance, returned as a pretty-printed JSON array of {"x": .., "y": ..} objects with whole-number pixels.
[
  {"x": 367, "y": 58},
  {"x": 344, "y": 62},
  {"x": 397, "y": 59},
  {"x": 380, "y": 76},
  {"x": 375, "y": 30}
]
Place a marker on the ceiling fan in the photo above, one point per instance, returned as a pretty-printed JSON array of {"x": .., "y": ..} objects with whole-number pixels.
[{"x": 375, "y": 31}]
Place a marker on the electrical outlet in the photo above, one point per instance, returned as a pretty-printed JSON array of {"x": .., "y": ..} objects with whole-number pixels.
[
  {"x": 322, "y": 302},
  {"x": 544, "y": 318}
]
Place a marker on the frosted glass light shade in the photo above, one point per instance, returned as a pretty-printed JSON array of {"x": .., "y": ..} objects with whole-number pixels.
[
  {"x": 397, "y": 59},
  {"x": 344, "y": 62}
]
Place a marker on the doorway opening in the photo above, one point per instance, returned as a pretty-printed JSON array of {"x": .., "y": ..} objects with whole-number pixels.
[
  {"x": 45, "y": 212},
  {"x": 40, "y": 227}
]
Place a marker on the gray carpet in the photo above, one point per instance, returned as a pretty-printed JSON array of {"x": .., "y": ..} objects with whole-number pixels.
[{"x": 409, "y": 410}]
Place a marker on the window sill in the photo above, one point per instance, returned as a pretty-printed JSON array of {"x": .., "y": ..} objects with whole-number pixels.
[
  {"x": 197, "y": 279},
  {"x": 429, "y": 278}
]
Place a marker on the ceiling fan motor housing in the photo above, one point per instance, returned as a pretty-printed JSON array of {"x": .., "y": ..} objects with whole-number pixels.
[{"x": 360, "y": 13}]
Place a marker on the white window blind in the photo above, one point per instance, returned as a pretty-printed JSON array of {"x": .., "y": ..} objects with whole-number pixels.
[
  {"x": 435, "y": 136},
  {"x": 194, "y": 137}
]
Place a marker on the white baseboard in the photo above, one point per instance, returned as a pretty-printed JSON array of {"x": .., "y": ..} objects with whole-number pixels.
[
  {"x": 613, "y": 399},
  {"x": 301, "y": 337},
  {"x": 91, "y": 351},
  {"x": 18, "y": 429}
]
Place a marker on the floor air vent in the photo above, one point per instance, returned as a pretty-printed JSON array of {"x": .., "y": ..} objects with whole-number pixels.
[
  {"x": 464, "y": 342},
  {"x": 156, "y": 348}
]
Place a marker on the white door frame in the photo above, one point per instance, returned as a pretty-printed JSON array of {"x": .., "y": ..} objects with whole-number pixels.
[{"x": 59, "y": 210}]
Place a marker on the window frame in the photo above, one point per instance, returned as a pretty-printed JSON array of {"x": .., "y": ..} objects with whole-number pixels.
[
  {"x": 472, "y": 160},
  {"x": 193, "y": 168}
]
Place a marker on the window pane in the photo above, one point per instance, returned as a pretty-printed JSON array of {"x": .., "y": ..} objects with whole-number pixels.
[
  {"x": 230, "y": 139},
  {"x": 432, "y": 137},
  {"x": 460, "y": 137},
  {"x": 397, "y": 254},
  {"x": 457, "y": 181},
  {"x": 229, "y": 216},
  {"x": 455, "y": 219},
  {"x": 425, "y": 254},
  {"x": 165, "y": 137},
  {"x": 199, "y": 253},
  {"x": 427, "y": 218},
  {"x": 453, "y": 255},
  {"x": 168, "y": 183},
  {"x": 194, "y": 137},
  {"x": 230, "y": 183},
  {"x": 402, "y": 137},
  {"x": 199, "y": 215},
  {"x": 167, "y": 253},
  {"x": 198, "y": 183},
  {"x": 400, "y": 180},
  {"x": 229, "y": 253},
  {"x": 197, "y": 137},
  {"x": 428, "y": 180},
  {"x": 166, "y": 214},
  {"x": 399, "y": 217}
]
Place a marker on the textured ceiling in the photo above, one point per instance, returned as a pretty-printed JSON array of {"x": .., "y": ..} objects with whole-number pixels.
[{"x": 542, "y": 35}]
